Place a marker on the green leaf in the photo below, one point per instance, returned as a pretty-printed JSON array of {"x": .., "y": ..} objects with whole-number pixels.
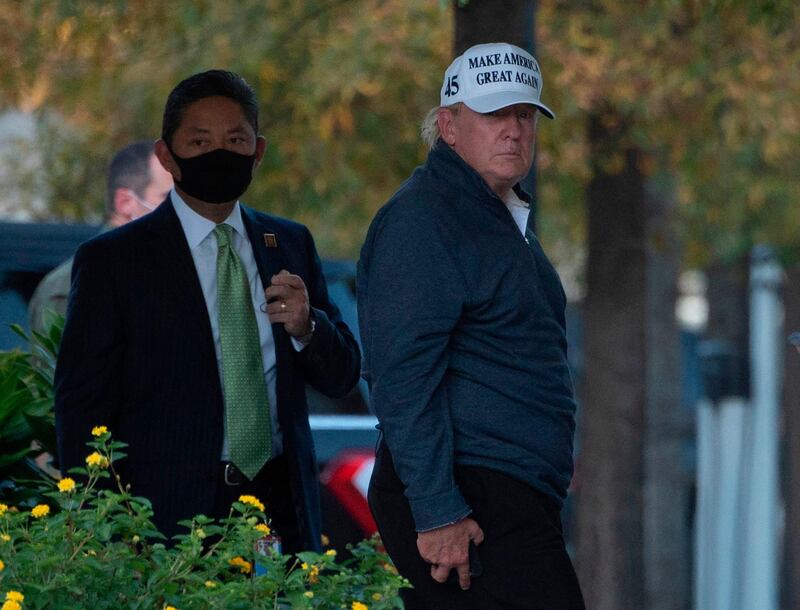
[
  {"x": 17, "y": 329},
  {"x": 14, "y": 457},
  {"x": 103, "y": 532}
]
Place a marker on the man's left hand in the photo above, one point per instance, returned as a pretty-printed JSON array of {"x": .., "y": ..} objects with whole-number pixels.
[
  {"x": 447, "y": 548},
  {"x": 287, "y": 303}
]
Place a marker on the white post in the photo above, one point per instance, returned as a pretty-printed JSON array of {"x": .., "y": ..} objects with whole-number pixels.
[
  {"x": 707, "y": 500},
  {"x": 735, "y": 417},
  {"x": 760, "y": 575},
  {"x": 721, "y": 458}
]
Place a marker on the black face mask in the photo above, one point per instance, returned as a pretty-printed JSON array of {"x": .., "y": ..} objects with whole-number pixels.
[{"x": 218, "y": 176}]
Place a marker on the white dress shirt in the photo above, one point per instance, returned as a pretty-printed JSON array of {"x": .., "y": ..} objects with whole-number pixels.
[
  {"x": 203, "y": 246},
  {"x": 519, "y": 210}
]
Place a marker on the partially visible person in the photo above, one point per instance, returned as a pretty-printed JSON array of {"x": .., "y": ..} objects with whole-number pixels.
[
  {"x": 463, "y": 327},
  {"x": 192, "y": 332},
  {"x": 136, "y": 184}
]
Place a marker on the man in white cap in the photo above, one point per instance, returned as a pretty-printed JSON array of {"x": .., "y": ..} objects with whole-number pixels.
[{"x": 462, "y": 324}]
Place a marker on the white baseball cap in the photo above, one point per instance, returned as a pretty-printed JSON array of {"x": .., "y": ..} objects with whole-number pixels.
[{"x": 491, "y": 76}]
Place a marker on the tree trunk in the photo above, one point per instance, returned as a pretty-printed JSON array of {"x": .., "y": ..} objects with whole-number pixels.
[
  {"x": 480, "y": 21},
  {"x": 667, "y": 542},
  {"x": 728, "y": 316},
  {"x": 611, "y": 469}
]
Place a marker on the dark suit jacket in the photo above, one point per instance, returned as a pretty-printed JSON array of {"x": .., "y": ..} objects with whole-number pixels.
[{"x": 137, "y": 355}]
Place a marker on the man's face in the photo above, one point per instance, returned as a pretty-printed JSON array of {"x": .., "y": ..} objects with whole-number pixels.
[
  {"x": 129, "y": 205},
  {"x": 160, "y": 183},
  {"x": 212, "y": 123},
  {"x": 498, "y": 145}
]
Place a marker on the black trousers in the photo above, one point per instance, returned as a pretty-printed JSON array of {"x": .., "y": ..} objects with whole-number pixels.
[
  {"x": 271, "y": 486},
  {"x": 525, "y": 563}
]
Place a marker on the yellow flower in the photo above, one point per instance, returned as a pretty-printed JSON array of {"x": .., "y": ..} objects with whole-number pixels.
[
  {"x": 66, "y": 485},
  {"x": 5, "y": 537},
  {"x": 170, "y": 608},
  {"x": 331, "y": 552},
  {"x": 252, "y": 501},
  {"x": 313, "y": 572},
  {"x": 40, "y": 510},
  {"x": 359, "y": 606},
  {"x": 210, "y": 584},
  {"x": 3, "y": 509},
  {"x": 263, "y": 528},
  {"x": 99, "y": 431},
  {"x": 11, "y": 605},
  {"x": 325, "y": 540},
  {"x": 15, "y": 596},
  {"x": 244, "y": 566},
  {"x": 200, "y": 533},
  {"x": 96, "y": 459},
  {"x": 309, "y": 594},
  {"x": 377, "y": 597},
  {"x": 2, "y": 565}
]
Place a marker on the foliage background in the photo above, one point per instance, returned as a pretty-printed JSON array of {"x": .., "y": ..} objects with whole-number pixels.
[
  {"x": 711, "y": 87},
  {"x": 711, "y": 90},
  {"x": 342, "y": 85}
]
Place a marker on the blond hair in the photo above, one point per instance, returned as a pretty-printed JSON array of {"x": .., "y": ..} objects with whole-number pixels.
[{"x": 429, "y": 130}]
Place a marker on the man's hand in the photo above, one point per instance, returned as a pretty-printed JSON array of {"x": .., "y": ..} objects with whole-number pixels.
[
  {"x": 447, "y": 548},
  {"x": 287, "y": 303}
]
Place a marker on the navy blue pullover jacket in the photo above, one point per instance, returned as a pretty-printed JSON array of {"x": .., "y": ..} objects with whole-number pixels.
[{"x": 462, "y": 325}]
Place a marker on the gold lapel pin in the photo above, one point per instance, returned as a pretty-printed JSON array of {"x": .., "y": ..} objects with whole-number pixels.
[{"x": 270, "y": 240}]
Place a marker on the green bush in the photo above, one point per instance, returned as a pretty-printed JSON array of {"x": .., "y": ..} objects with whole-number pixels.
[
  {"x": 26, "y": 409},
  {"x": 75, "y": 543},
  {"x": 86, "y": 546}
]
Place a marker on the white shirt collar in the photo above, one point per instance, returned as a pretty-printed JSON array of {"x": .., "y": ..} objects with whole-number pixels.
[
  {"x": 512, "y": 199},
  {"x": 197, "y": 227}
]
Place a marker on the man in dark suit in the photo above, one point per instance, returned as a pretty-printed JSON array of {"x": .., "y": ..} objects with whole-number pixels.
[{"x": 192, "y": 332}]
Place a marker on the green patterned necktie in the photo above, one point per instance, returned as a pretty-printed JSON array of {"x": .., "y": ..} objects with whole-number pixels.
[{"x": 246, "y": 403}]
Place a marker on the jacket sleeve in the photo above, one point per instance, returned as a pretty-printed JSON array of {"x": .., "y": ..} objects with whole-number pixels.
[
  {"x": 50, "y": 296},
  {"x": 411, "y": 295},
  {"x": 331, "y": 362},
  {"x": 87, "y": 376}
]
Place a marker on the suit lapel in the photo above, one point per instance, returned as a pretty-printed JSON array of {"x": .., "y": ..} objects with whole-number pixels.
[
  {"x": 269, "y": 259},
  {"x": 176, "y": 266}
]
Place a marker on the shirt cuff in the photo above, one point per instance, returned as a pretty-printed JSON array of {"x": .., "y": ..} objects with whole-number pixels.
[
  {"x": 300, "y": 343},
  {"x": 299, "y": 346}
]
